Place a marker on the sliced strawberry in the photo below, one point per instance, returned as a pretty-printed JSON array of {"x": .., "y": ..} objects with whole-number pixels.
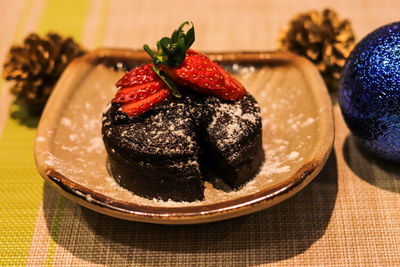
[
  {"x": 138, "y": 75},
  {"x": 138, "y": 92},
  {"x": 139, "y": 107},
  {"x": 174, "y": 64},
  {"x": 197, "y": 72},
  {"x": 233, "y": 89},
  {"x": 140, "y": 89}
]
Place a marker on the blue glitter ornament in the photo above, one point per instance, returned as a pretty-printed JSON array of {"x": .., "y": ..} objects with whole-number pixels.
[{"x": 369, "y": 91}]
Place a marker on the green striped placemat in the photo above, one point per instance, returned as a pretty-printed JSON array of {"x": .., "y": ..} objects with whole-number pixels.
[{"x": 21, "y": 187}]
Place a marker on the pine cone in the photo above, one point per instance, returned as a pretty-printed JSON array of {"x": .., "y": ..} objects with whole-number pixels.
[
  {"x": 323, "y": 38},
  {"x": 36, "y": 66}
]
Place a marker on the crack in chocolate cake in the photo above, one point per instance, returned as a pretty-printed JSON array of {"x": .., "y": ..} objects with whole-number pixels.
[{"x": 172, "y": 118}]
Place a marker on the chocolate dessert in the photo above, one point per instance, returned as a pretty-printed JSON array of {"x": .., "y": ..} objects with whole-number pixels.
[
  {"x": 233, "y": 139},
  {"x": 158, "y": 154},
  {"x": 177, "y": 115},
  {"x": 155, "y": 155}
]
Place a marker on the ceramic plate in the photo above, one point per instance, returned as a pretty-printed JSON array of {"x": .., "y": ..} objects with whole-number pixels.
[{"x": 297, "y": 137}]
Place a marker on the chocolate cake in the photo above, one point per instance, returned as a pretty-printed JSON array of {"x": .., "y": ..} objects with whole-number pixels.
[
  {"x": 233, "y": 138},
  {"x": 177, "y": 115},
  {"x": 160, "y": 153}
]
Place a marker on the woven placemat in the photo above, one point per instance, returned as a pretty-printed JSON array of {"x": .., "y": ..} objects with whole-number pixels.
[{"x": 349, "y": 215}]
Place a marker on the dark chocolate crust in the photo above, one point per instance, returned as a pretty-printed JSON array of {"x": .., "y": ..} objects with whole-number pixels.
[{"x": 158, "y": 154}]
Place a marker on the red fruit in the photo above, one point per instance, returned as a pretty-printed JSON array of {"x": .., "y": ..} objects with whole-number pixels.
[
  {"x": 197, "y": 72},
  {"x": 139, "y": 107},
  {"x": 176, "y": 64},
  {"x": 138, "y": 92},
  {"x": 233, "y": 89},
  {"x": 140, "y": 89},
  {"x": 138, "y": 75},
  {"x": 200, "y": 74}
]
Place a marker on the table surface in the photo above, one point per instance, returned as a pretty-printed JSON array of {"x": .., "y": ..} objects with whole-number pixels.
[{"x": 349, "y": 215}]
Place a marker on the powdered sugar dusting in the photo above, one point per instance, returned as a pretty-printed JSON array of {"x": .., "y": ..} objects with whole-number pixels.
[
  {"x": 237, "y": 117},
  {"x": 79, "y": 131},
  {"x": 95, "y": 144},
  {"x": 274, "y": 153},
  {"x": 66, "y": 122},
  {"x": 164, "y": 133},
  {"x": 73, "y": 137},
  {"x": 293, "y": 155}
]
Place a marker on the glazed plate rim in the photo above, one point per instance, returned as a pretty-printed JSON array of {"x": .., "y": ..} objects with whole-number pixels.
[{"x": 269, "y": 196}]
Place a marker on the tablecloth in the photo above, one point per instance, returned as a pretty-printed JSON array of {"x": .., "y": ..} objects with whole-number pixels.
[{"x": 349, "y": 215}]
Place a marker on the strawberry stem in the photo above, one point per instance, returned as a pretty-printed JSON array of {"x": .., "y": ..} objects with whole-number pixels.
[
  {"x": 166, "y": 79},
  {"x": 156, "y": 59},
  {"x": 168, "y": 82},
  {"x": 171, "y": 52}
]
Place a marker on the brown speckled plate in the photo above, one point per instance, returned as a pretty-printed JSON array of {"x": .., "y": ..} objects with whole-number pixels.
[{"x": 297, "y": 137}]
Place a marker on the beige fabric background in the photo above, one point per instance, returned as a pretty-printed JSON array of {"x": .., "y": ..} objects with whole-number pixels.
[{"x": 349, "y": 215}]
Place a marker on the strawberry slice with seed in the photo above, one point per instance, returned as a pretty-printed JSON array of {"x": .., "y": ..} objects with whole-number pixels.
[
  {"x": 138, "y": 75},
  {"x": 140, "y": 89},
  {"x": 233, "y": 89},
  {"x": 197, "y": 72},
  {"x": 137, "y": 108},
  {"x": 138, "y": 92}
]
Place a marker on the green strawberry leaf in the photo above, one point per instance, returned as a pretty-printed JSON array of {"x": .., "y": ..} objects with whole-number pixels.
[
  {"x": 172, "y": 51},
  {"x": 165, "y": 43},
  {"x": 189, "y": 38},
  {"x": 168, "y": 82},
  {"x": 156, "y": 58},
  {"x": 178, "y": 55}
]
